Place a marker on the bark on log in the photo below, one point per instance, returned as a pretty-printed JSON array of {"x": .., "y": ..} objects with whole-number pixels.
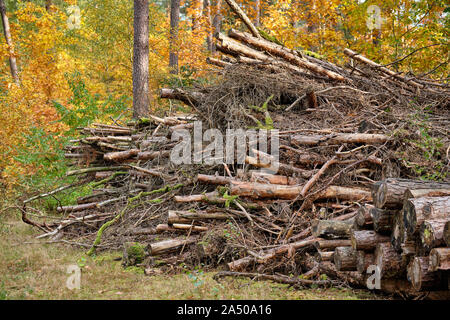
[
  {"x": 419, "y": 193},
  {"x": 389, "y": 261},
  {"x": 366, "y": 240},
  {"x": 331, "y": 244},
  {"x": 447, "y": 234},
  {"x": 322, "y": 256},
  {"x": 363, "y": 219},
  {"x": 439, "y": 259},
  {"x": 398, "y": 236},
  {"x": 241, "y": 264},
  {"x": 150, "y": 155},
  {"x": 186, "y": 217},
  {"x": 234, "y": 48},
  {"x": 331, "y": 228},
  {"x": 364, "y": 260},
  {"x": 284, "y": 53},
  {"x": 282, "y": 168},
  {"x": 167, "y": 246},
  {"x": 338, "y": 138},
  {"x": 382, "y": 220},
  {"x": 426, "y": 208},
  {"x": 262, "y": 177},
  {"x": 371, "y": 63},
  {"x": 431, "y": 234},
  {"x": 77, "y": 208},
  {"x": 190, "y": 98},
  {"x": 391, "y": 192},
  {"x": 344, "y": 193},
  {"x": 218, "y": 180},
  {"x": 121, "y": 155},
  {"x": 345, "y": 259},
  {"x": 261, "y": 191},
  {"x": 241, "y": 14},
  {"x": 179, "y": 228},
  {"x": 423, "y": 279}
]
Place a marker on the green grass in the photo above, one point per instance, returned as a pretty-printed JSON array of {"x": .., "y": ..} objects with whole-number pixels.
[{"x": 30, "y": 269}]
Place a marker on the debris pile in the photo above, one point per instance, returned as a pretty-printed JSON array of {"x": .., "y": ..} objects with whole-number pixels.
[{"x": 346, "y": 194}]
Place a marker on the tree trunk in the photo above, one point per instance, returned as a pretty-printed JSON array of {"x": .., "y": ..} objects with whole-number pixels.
[
  {"x": 439, "y": 259},
  {"x": 391, "y": 263},
  {"x": 366, "y": 240},
  {"x": 391, "y": 192},
  {"x": 174, "y": 22},
  {"x": 426, "y": 208},
  {"x": 345, "y": 259},
  {"x": 140, "y": 59},
  {"x": 9, "y": 42},
  {"x": 431, "y": 234}
]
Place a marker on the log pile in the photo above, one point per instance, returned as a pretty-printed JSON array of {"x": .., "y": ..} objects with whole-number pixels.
[
  {"x": 402, "y": 234},
  {"x": 322, "y": 212}
]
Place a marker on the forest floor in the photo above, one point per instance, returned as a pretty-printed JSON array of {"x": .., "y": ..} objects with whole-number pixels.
[{"x": 32, "y": 269}]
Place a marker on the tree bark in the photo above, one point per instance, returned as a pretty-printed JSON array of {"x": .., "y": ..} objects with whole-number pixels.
[
  {"x": 140, "y": 59},
  {"x": 382, "y": 220},
  {"x": 345, "y": 259},
  {"x": 391, "y": 192},
  {"x": 9, "y": 42},
  {"x": 167, "y": 246},
  {"x": 338, "y": 139},
  {"x": 331, "y": 244},
  {"x": 426, "y": 208},
  {"x": 363, "y": 219},
  {"x": 331, "y": 228},
  {"x": 447, "y": 234},
  {"x": 391, "y": 263},
  {"x": 363, "y": 261},
  {"x": 419, "y": 193},
  {"x": 186, "y": 217},
  {"x": 174, "y": 22},
  {"x": 366, "y": 240}
]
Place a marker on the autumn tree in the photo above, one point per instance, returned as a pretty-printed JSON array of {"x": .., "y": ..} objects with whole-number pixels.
[{"x": 140, "y": 59}]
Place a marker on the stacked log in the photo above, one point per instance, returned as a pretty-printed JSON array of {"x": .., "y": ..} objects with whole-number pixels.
[{"x": 403, "y": 234}]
